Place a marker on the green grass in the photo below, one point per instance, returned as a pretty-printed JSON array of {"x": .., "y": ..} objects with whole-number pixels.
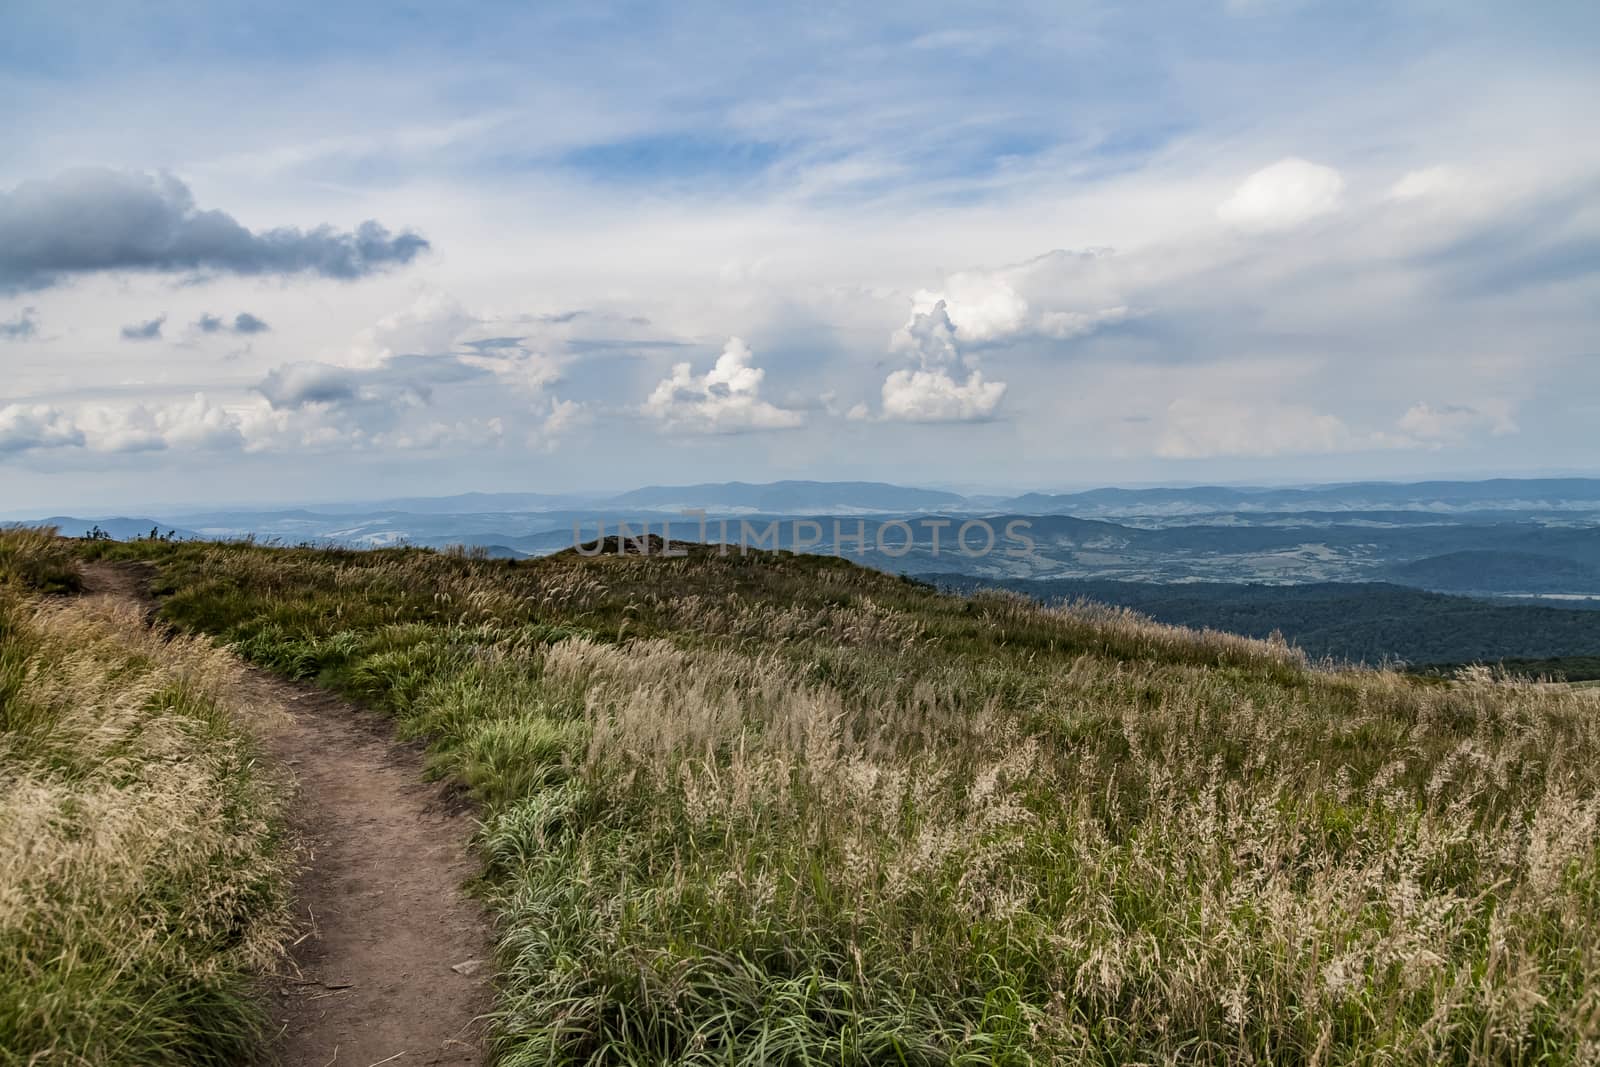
[
  {"x": 780, "y": 809},
  {"x": 33, "y": 559},
  {"x": 142, "y": 869}
]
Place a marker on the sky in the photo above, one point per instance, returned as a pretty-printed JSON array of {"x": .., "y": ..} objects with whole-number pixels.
[{"x": 261, "y": 253}]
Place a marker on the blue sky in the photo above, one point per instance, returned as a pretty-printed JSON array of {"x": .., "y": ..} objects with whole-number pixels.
[{"x": 1058, "y": 245}]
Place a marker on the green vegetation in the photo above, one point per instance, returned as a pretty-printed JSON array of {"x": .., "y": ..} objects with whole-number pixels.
[
  {"x": 784, "y": 810},
  {"x": 142, "y": 874},
  {"x": 33, "y": 559}
]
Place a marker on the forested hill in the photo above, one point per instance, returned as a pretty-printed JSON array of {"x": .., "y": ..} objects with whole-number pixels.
[{"x": 1359, "y": 622}]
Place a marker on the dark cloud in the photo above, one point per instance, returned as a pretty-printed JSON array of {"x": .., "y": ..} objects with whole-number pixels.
[
  {"x": 619, "y": 344},
  {"x": 20, "y": 328},
  {"x": 144, "y": 331},
  {"x": 243, "y": 323},
  {"x": 82, "y": 221},
  {"x": 298, "y": 385},
  {"x": 402, "y": 380}
]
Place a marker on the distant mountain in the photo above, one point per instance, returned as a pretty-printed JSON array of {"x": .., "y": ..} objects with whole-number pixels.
[
  {"x": 463, "y": 504},
  {"x": 1497, "y": 494},
  {"x": 1484, "y": 571},
  {"x": 791, "y": 497},
  {"x": 119, "y": 529}
]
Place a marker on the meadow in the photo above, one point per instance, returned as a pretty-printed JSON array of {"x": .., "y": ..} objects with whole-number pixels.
[
  {"x": 144, "y": 870},
  {"x": 780, "y": 809}
]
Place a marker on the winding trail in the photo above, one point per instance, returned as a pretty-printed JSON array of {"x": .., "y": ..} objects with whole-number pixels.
[{"x": 393, "y": 959}]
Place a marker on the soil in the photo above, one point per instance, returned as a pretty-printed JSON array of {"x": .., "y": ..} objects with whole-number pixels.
[{"x": 392, "y": 961}]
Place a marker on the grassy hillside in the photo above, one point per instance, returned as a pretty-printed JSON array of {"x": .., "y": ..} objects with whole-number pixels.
[
  {"x": 786, "y": 810},
  {"x": 142, "y": 873}
]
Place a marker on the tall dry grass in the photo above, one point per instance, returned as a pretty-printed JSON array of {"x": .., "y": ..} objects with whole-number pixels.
[{"x": 142, "y": 871}]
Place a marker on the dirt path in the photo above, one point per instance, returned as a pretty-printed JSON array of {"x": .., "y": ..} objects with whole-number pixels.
[{"x": 387, "y": 931}]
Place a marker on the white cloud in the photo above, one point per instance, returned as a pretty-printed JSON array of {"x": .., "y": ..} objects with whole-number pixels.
[
  {"x": 1453, "y": 424},
  {"x": 1427, "y": 183},
  {"x": 195, "y": 424},
  {"x": 934, "y": 396},
  {"x": 433, "y": 323},
  {"x": 981, "y": 305},
  {"x": 1280, "y": 197},
  {"x": 199, "y": 423},
  {"x": 1057, "y": 296},
  {"x": 930, "y": 392},
  {"x": 31, "y": 426},
  {"x": 1198, "y": 428},
  {"x": 525, "y": 371},
  {"x": 726, "y": 399},
  {"x": 564, "y": 416},
  {"x": 121, "y": 429}
]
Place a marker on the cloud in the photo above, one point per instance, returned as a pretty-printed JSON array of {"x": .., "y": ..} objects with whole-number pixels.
[
  {"x": 1210, "y": 428},
  {"x": 36, "y": 426},
  {"x": 726, "y": 399},
  {"x": 121, "y": 429},
  {"x": 401, "y": 381},
  {"x": 298, "y": 385},
  {"x": 934, "y": 396},
  {"x": 196, "y": 424},
  {"x": 144, "y": 331},
  {"x": 1452, "y": 424},
  {"x": 929, "y": 392},
  {"x": 1287, "y": 194},
  {"x": 94, "y": 219},
  {"x": 1200, "y": 428},
  {"x": 1426, "y": 183},
  {"x": 20, "y": 328},
  {"x": 1058, "y": 296},
  {"x": 433, "y": 323},
  {"x": 243, "y": 323}
]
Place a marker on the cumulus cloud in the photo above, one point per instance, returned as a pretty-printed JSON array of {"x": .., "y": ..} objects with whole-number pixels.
[
  {"x": 20, "y": 328},
  {"x": 144, "y": 331},
  {"x": 434, "y": 322},
  {"x": 930, "y": 391},
  {"x": 526, "y": 371},
  {"x": 726, "y": 399},
  {"x": 196, "y": 423},
  {"x": 1057, "y": 296},
  {"x": 243, "y": 323},
  {"x": 36, "y": 426},
  {"x": 94, "y": 219},
  {"x": 934, "y": 396},
  {"x": 1282, "y": 196},
  {"x": 121, "y": 429}
]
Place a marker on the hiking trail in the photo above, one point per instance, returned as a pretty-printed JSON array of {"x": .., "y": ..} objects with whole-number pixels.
[{"x": 392, "y": 961}]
